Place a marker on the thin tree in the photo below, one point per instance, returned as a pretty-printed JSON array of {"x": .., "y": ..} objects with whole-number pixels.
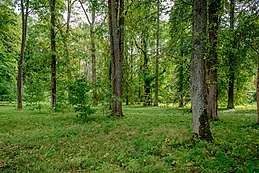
[
  {"x": 257, "y": 91},
  {"x": 231, "y": 59},
  {"x": 211, "y": 63},
  {"x": 93, "y": 49},
  {"x": 23, "y": 44},
  {"x": 157, "y": 54},
  {"x": 116, "y": 28},
  {"x": 53, "y": 52},
  {"x": 201, "y": 126},
  {"x": 69, "y": 9}
]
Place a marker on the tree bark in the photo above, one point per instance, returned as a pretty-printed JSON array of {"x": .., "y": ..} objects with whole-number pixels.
[
  {"x": 53, "y": 51},
  {"x": 212, "y": 99},
  {"x": 21, "y": 60},
  {"x": 147, "y": 81},
  {"x": 201, "y": 126},
  {"x": 93, "y": 54},
  {"x": 116, "y": 43},
  {"x": 181, "y": 78},
  {"x": 231, "y": 60},
  {"x": 257, "y": 92},
  {"x": 157, "y": 54}
]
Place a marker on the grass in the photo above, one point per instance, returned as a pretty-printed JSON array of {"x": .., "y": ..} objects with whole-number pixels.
[{"x": 145, "y": 140}]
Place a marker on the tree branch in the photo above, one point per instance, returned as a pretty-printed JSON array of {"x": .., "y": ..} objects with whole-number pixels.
[
  {"x": 85, "y": 12},
  {"x": 254, "y": 49},
  {"x": 138, "y": 46}
]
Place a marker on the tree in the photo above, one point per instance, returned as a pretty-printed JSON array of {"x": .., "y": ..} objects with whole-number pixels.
[
  {"x": 53, "y": 52},
  {"x": 116, "y": 29},
  {"x": 92, "y": 43},
  {"x": 211, "y": 63},
  {"x": 157, "y": 54},
  {"x": 201, "y": 126},
  {"x": 23, "y": 43},
  {"x": 231, "y": 59}
]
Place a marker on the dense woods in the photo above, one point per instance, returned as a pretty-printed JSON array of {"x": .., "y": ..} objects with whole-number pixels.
[{"x": 95, "y": 55}]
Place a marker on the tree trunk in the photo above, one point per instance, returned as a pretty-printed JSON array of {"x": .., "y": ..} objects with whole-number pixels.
[
  {"x": 157, "y": 54},
  {"x": 212, "y": 100},
  {"x": 116, "y": 43},
  {"x": 69, "y": 7},
  {"x": 53, "y": 51},
  {"x": 21, "y": 60},
  {"x": 257, "y": 92},
  {"x": 93, "y": 50},
  {"x": 147, "y": 82},
  {"x": 231, "y": 60},
  {"x": 93, "y": 54},
  {"x": 201, "y": 125},
  {"x": 181, "y": 80}
]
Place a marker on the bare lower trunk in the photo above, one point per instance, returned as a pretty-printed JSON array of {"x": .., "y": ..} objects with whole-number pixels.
[
  {"x": 212, "y": 98},
  {"x": 127, "y": 93},
  {"x": 147, "y": 101},
  {"x": 231, "y": 90},
  {"x": 53, "y": 51},
  {"x": 201, "y": 125},
  {"x": 181, "y": 79},
  {"x": 19, "y": 86}
]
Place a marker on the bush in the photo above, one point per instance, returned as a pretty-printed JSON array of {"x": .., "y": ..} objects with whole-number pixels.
[
  {"x": 80, "y": 97},
  {"x": 34, "y": 93}
]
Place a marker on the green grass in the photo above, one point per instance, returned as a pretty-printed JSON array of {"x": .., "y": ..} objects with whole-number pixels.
[{"x": 145, "y": 140}]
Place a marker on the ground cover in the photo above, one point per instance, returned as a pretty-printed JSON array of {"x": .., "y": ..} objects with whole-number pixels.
[{"x": 147, "y": 139}]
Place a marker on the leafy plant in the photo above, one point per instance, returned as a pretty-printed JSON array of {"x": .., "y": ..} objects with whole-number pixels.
[
  {"x": 34, "y": 93},
  {"x": 80, "y": 97}
]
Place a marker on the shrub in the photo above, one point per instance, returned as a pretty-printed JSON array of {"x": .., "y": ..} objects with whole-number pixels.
[{"x": 80, "y": 97}]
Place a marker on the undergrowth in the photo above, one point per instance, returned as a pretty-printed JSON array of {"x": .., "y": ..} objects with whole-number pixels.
[{"x": 145, "y": 140}]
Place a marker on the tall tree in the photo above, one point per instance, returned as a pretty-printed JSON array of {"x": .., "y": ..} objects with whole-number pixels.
[
  {"x": 53, "y": 52},
  {"x": 116, "y": 28},
  {"x": 201, "y": 125},
  {"x": 23, "y": 43},
  {"x": 157, "y": 54},
  {"x": 211, "y": 63},
  {"x": 69, "y": 8},
  {"x": 93, "y": 54},
  {"x": 231, "y": 58},
  {"x": 93, "y": 49}
]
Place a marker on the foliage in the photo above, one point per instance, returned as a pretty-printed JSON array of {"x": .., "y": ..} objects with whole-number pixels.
[
  {"x": 34, "y": 93},
  {"x": 180, "y": 49},
  {"x": 80, "y": 97},
  {"x": 9, "y": 39},
  {"x": 146, "y": 140}
]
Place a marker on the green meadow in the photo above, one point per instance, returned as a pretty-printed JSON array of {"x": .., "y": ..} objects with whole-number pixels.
[{"x": 147, "y": 139}]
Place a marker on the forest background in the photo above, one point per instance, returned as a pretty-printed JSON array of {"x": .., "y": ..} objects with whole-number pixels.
[{"x": 96, "y": 55}]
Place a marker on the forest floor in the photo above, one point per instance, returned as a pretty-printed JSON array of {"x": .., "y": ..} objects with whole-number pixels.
[{"x": 147, "y": 139}]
